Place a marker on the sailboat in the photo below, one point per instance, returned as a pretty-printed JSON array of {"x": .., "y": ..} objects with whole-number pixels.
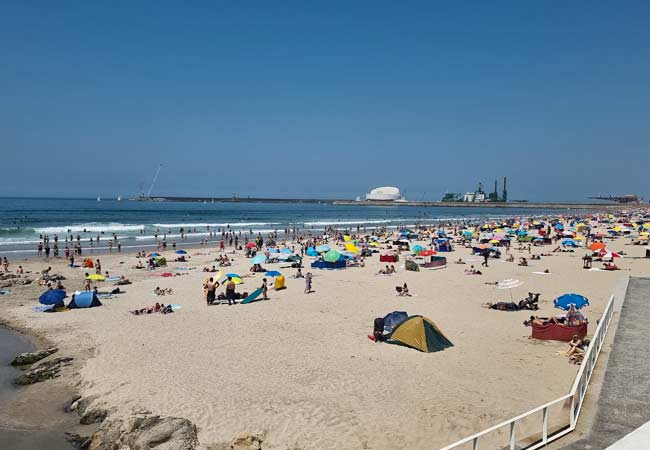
[
  {"x": 99, "y": 199},
  {"x": 119, "y": 198}
]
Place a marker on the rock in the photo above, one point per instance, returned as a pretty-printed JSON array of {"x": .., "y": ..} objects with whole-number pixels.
[
  {"x": 78, "y": 441},
  {"x": 247, "y": 441},
  {"x": 93, "y": 415},
  {"x": 30, "y": 358},
  {"x": 145, "y": 432},
  {"x": 44, "y": 371}
]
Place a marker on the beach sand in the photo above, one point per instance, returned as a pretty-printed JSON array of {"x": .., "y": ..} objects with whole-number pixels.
[{"x": 301, "y": 370}]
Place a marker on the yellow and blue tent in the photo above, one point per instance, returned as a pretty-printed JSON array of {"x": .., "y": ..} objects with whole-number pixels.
[{"x": 420, "y": 333}]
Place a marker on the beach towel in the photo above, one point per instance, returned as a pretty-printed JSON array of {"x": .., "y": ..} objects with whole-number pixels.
[
  {"x": 175, "y": 307},
  {"x": 541, "y": 273},
  {"x": 113, "y": 278}
]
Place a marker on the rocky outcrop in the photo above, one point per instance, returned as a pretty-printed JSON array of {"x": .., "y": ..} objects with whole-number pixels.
[
  {"x": 78, "y": 441},
  {"x": 44, "y": 371},
  {"x": 145, "y": 432},
  {"x": 247, "y": 441},
  {"x": 25, "y": 359}
]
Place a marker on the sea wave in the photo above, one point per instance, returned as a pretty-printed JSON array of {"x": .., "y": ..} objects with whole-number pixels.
[
  {"x": 349, "y": 222},
  {"x": 14, "y": 231},
  {"x": 93, "y": 227},
  {"x": 203, "y": 225}
]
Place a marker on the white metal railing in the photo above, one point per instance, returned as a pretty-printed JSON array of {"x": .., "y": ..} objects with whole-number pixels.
[{"x": 547, "y": 433}]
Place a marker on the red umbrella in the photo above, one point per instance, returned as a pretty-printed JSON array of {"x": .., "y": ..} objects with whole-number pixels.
[
  {"x": 251, "y": 245},
  {"x": 427, "y": 252}
]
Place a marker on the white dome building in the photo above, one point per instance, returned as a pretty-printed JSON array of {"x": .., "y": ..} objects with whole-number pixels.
[{"x": 386, "y": 193}]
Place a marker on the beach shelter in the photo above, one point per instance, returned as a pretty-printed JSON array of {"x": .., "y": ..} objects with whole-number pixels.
[
  {"x": 52, "y": 297},
  {"x": 351, "y": 248},
  {"x": 280, "y": 283},
  {"x": 311, "y": 251},
  {"x": 420, "y": 333},
  {"x": 323, "y": 248},
  {"x": 392, "y": 320},
  {"x": 85, "y": 299},
  {"x": 411, "y": 265},
  {"x": 596, "y": 246}
]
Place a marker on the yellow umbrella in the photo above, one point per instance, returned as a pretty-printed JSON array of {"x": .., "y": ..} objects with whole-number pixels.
[
  {"x": 346, "y": 238},
  {"x": 96, "y": 277},
  {"x": 494, "y": 241},
  {"x": 352, "y": 248},
  {"x": 579, "y": 238},
  {"x": 646, "y": 225},
  {"x": 237, "y": 280}
]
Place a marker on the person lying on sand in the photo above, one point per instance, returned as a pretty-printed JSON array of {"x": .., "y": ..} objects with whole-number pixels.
[
  {"x": 510, "y": 258},
  {"x": 523, "y": 262},
  {"x": 460, "y": 261},
  {"x": 157, "y": 308},
  {"x": 472, "y": 271},
  {"x": 166, "y": 291},
  {"x": 385, "y": 271}
]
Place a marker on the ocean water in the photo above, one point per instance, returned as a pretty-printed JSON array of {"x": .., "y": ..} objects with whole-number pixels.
[{"x": 23, "y": 221}]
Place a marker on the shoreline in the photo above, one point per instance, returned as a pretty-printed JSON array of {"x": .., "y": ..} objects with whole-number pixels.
[{"x": 39, "y": 417}]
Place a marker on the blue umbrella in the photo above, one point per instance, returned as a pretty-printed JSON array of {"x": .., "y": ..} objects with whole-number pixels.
[
  {"x": 565, "y": 301},
  {"x": 232, "y": 275},
  {"x": 323, "y": 248},
  {"x": 286, "y": 250},
  {"x": 52, "y": 297},
  {"x": 273, "y": 273},
  {"x": 274, "y": 250},
  {"x": 311, "y": 251},
  {"x": 569, "y": 242},
  {"x": 259, "y": 259},
  {"x": 180, "y": 252}
]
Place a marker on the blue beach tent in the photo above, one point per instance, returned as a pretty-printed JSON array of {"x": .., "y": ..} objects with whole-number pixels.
[{"x": 85, "y": 299}]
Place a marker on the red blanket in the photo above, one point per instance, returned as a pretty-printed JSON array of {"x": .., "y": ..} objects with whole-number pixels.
[
  {"x": 553, "y": 332},
  {"x": 387, "y": 258}
]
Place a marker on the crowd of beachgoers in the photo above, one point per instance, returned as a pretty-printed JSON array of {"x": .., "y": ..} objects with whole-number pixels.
[{"x": 314, "y": 316}]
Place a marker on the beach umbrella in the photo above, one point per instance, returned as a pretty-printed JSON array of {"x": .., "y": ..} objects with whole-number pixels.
[
  {"x": 153, "y": 255},
  {"x": 349, "y": 255},
  {"x": 311, "y": 251},
  {"x": 52, "y": 297},
  {"x": 259, "y": 259},
  {"x": 332, "y": 256},
  {"x": 286, "y": 251},
  {"x": 323, "y": 248},
  {"x": 273, "y": 250},
  {"x": 273, "y": 273},
  {"x": 509, "y": 283},
  {"x": 596, "y": 246},
  {"x": 237, "y": 280},
  {"x": 346, "y": 238},
  {"x": 96, "y": 277},
  {"x": 611, "y": 255},
  {"x": 180, "y": 252},
  {"x": 232, "y": 275},
  {"x": 251, "y": 245},
  {"x": 417, "y": 249},
  {"x": 352, "y": 248},
  {"x": 427, "y": 252},
  {"x": 281, "y": 256},
  {"x": 569, "y": 242},
  {"x": 565, "y": 301}
]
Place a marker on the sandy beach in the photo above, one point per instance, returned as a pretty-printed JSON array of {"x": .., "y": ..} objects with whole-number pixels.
[{"x": 299, "y": 369}]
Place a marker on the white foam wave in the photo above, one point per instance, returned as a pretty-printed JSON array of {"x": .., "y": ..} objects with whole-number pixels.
[
  {"x": 204, "y": 225},
  {"x": 349, "y": 222},
  {"x": 93, "y": 227}
]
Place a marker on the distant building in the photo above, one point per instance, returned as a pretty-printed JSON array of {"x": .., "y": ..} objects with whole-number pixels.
[{"x": 385, "y": 194}]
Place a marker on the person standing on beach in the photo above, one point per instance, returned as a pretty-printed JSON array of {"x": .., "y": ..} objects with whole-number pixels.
[
  {"x": 308, "y": 283},
  {"x": 211, "y": 287},
  {"x": 230, "y": 291},
  {"x": 486, "y": 255},
  {"x": 265, "y": 289}
]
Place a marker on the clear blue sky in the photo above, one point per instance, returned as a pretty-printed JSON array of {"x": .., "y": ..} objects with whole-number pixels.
[{"x": 296, "y": 98}]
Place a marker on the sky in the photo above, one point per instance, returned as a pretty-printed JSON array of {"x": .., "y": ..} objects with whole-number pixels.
[{"x": 324, "y": 99}]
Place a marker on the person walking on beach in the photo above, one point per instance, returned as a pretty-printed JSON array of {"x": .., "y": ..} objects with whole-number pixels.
[
  {"x": 265, "y": 289},
  {"x": 308, "y": 283},
  {"x": 230, "y": 291},
  {"x": 486, "y": 255}
]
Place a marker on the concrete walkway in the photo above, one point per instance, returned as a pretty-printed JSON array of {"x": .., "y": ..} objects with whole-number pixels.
[
  {"x": 624, "y": 402},
  {"x": 638, "y": 439}
]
